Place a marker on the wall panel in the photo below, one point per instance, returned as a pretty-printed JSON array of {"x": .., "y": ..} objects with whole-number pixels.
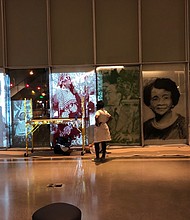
[
  {"x": 188, "y": 29},
  {"x": 26, "y": 32},
  {"x": 1, "y": 39},
  {"x": 163, "y": 30},
  {"x": 117, "y": 31},
  {"x": 71, "y": 32}
]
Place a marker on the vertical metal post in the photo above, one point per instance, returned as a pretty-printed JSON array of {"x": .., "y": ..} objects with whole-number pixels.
[
  {"x": 26, "y": 128},
  {"x": 83, "y": 124},
  {"x": 140, "y": 61},
  {"x": 187, "y": 66},
  {"x": 48, "y": 33},
  {"x": 4, "y": 42},
  {"x": 94, "y": 31}
]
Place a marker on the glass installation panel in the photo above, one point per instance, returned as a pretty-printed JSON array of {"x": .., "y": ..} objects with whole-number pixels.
[
  {"x": 119, "y": 88},
  {"x": 21, "y": 113},
  {"x": 4, "y": 110},
  {"x": 73, "y": 96},
  {"x": 164, "y": 110}
]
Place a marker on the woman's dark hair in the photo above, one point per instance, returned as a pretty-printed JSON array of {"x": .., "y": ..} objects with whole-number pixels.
[
  {"x": 99, "y": 105},
  {"x": 161, "y": 83}
]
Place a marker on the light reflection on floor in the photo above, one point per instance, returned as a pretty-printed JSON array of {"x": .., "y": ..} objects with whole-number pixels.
[{"x": 124, "y": 189}]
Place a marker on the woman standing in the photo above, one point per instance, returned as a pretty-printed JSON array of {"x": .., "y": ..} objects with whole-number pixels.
[{"x": 101, "y": 131}]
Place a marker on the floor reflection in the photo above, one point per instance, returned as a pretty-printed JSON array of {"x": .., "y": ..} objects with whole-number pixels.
[{"x": 125, "y": 189}]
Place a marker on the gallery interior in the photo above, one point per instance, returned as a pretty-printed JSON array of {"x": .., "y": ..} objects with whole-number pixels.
[
  {"x": 57, "y": 59},
  {"x": 105, "y": 50}
]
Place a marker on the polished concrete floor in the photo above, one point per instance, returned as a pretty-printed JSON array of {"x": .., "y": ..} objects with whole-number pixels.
[{"x": 119, "y": 189}]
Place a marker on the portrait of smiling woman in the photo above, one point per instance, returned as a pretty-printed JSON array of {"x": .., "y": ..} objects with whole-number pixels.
[{"x": 161, "y": 96}]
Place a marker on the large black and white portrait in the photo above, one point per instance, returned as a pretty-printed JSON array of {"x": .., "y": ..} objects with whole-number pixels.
[{"x": 164, "y": 111}]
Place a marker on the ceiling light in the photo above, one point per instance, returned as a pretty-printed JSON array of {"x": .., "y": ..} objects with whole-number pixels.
[
  {"x": 31, "y": 72},
  {"x": 108, "y": 67}
]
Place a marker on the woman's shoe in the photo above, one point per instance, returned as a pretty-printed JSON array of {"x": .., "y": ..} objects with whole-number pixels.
[
  {"x": 96, "y": 160},
  {"x": 103, "y": 159}
]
